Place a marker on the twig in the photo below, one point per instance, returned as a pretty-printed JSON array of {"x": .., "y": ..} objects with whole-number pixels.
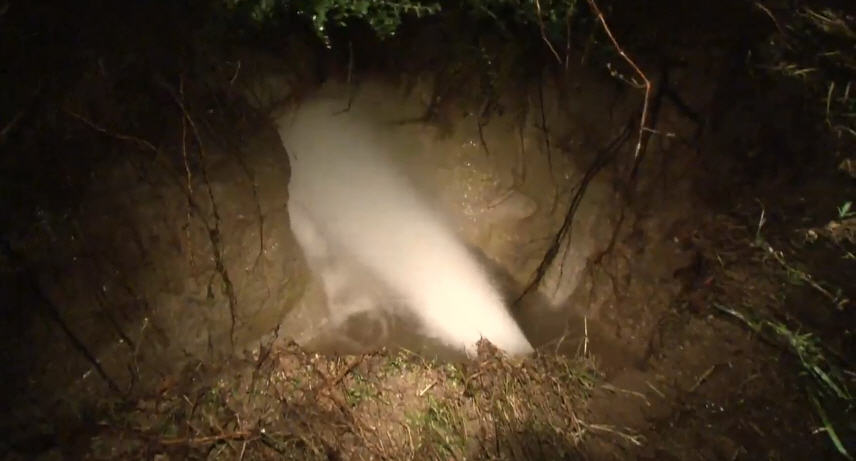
[
  {"x": 635, "y": 439},
  {"x": 422, "y": 391},
  {"x": 189, "y": 178},
  {"x": 702, "y": 378},
  {"x": 544, "y": 34},
  {"x": 240, "y": 435},
  {"x": 586, "y": 337},
  {"x": 657, "y": 391},
  {"x": 10, "y": 126},
  {"x": 481, "y": 123},
  {"x": 647, "y": 83},
  {"x": 829, "y": 102},
  {"x": 770, "y": 14},
  {"x": 124, "y": 137},
  {"x": 356, "y": 361},
  {"x": 335, "y": 380},
  {"x": 235, "y": 75},
  {"x": 243, "y": 449},
  {"x": 560, "y": 340},
  {"x": 619, "y": 390},
  {"x": 146, "y": 145}
]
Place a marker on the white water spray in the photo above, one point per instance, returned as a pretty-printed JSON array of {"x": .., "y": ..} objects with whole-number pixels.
[{"x": 359, "y": 220}]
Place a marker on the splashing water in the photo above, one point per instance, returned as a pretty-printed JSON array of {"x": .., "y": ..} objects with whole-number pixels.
[{"x": 357, "y": 219}]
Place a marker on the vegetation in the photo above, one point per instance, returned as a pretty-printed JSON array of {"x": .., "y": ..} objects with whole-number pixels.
[
  {"x": 292, "y": 405},
  {"x": 816, "y": 46},
  {"x": 385, "y": 17}
]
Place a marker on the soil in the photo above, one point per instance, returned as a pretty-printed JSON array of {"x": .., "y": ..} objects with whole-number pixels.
[{"x": 154, "y": 290}]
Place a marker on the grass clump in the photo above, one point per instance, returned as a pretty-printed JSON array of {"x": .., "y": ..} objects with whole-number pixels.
[
  {"x": 826, "y": 378},
  {"x": 293, "y": 405},
  {"x": 817, "y": 46},
  {"x": 825, "y": 383},
  {"x": 442, "y": 429}
]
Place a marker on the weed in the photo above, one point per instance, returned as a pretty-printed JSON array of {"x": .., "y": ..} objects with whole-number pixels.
[
  {"x": 396, "y": 363},
  {"x": 442, "y": 428},
  {"x": 844, "y": 210},
  {"x": 454, "y": 374},
  {"x": 361, "y": 390},
  {"x": 825, "y": 383},
  {"x": 795, "y": 275}
]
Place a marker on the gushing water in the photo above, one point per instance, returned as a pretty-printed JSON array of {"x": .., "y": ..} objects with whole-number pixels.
[{"x": 371, "y": 239}]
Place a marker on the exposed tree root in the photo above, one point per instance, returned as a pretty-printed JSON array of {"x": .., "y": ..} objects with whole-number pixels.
[{"x": 603, "y": 158}]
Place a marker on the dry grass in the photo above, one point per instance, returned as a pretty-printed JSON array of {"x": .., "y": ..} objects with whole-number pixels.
[{"x": 288, "y": 404}]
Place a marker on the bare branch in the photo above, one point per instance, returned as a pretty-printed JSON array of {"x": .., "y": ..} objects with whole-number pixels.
[
  {"x": 124, "y": 137},
  {"x": 544, "y": 34},
  {"x": 643, "y": 127}
]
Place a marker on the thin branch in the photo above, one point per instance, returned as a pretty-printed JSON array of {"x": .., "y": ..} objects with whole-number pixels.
[
  {"x": 643, "y": 127},
  {"x": 481, "y": 122},
  {"x": 773, "y": 17},
  {"x": 333, "y": 381},
  {"x": 240, "y": 435},
  {"x": 235, "y": 75},
  {"x": 10, "y": 126},
  {"x": 123, "y": 137},
  {"x": 189, "y": 178},
  {"x": 544, "y": 34}
]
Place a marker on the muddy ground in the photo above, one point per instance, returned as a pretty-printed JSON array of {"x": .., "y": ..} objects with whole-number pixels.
[{"x": 153, "y": 290}]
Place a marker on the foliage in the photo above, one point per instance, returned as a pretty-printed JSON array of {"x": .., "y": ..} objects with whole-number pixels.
[
  {"x": 825, "y": 384},
  {"x": 844, "y": 211},
  {"x": 818, "y": 47},
  {"x": 552, "y": 17},
  {"x": 383, "y": 16}
]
